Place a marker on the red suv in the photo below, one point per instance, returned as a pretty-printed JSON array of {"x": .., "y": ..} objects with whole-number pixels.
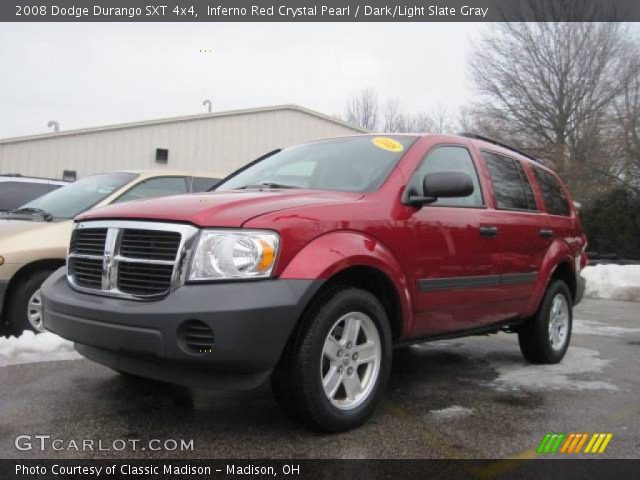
[{"x": 310, "y": 264}]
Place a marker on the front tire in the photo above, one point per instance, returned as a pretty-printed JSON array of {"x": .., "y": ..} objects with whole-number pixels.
[
  {"x": 545, "y": 337},
  {"x": 334, "y": 370},
  {"x": 24, "y": 310}
]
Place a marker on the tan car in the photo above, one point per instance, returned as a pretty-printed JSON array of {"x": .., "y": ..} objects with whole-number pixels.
[{"x": 34, "y": 238}]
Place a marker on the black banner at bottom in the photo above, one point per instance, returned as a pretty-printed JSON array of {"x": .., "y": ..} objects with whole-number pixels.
[{"x": 317, "y": 469}]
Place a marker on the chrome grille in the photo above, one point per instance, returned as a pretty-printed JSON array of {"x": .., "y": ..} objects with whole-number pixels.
[
  {"x": 141, "y": 260},
  {"x": 143, "y": 278},
  {"x": 149, "y": 244},
  {"x": 89, "y": 241},
  {"x": 87, "y": 272}
]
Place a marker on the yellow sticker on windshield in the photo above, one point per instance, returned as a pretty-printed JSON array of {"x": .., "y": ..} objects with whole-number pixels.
[{"x": 388, "y": 144}]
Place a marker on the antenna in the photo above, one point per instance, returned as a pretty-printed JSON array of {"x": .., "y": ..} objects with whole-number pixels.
[
  {"x": 207, "y": 102},
  {"x": 54, "y": 124}
]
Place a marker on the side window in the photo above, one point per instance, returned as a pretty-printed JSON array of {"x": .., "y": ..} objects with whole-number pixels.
[
  {"x": 155, "y": 187},
  {"x": 552, "y": 192},
  {"x": 203, "y": 184},
  {"x": 528, "y": 191},
  {"x": 452, "y": 159},
  {"x": 15, "y": 194},
  {"x": 510, "y": 183}
]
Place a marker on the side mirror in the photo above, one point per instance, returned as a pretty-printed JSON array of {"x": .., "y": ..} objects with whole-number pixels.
[{"x": 443, "y": 184}]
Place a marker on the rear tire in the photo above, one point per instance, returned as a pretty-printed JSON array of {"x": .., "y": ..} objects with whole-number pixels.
[
  {"x": 335, "y": 367},
  {"x": 24, "y": 309},
  {"x": 545, "y": 337}
]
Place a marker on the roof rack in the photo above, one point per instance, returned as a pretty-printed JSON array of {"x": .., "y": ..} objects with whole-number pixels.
[{"x": 500, "y": 144}]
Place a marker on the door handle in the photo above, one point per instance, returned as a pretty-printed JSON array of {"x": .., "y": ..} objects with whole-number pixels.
[
  {"x": 546, "y": 233},
  {"x": 489, "y": 231}
]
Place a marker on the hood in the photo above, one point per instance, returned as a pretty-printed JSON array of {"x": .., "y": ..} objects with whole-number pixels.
[
  {"x": 24, "y": 240},
  {"x": 219, "y": 209},
  {"x": 10, "y": 227}
]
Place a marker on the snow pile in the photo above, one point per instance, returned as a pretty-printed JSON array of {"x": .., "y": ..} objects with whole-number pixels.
[
  {"x": 615, "y": 282},
  {"x": 29, "y": 348}
]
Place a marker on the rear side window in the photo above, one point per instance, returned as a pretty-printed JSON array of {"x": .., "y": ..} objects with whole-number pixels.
[
  {"x": 203, "y": 184},
  {"x": 552, "y": 192},
  {"x": 16, "y": 194},
  {"x": 452, "y": 159},
  {"x": 510, "y": 183}
]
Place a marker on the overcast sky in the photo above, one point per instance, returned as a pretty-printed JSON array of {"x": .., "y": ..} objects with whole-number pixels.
[{"x": 95, "y": 74}]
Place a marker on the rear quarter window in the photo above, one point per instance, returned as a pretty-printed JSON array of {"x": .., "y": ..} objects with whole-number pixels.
[
  {"x": 554, "y": 197},
  {"x": 203, "y": 184},
  {"x": 15, "y": 194},
  {"x": 510, "y": 183}
]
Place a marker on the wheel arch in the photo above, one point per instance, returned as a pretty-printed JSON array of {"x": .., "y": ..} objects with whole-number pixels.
[
  {"x": 557, "y": 264},
  {"x": 26, "y": 270},
  {"x": 358, "y": 260}
]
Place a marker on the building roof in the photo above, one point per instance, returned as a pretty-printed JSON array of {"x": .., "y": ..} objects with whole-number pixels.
[{"x": 186, "y": 118}]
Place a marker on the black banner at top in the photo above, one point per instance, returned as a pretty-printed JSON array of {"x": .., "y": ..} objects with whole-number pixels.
[{"x": 319, "y": 10}]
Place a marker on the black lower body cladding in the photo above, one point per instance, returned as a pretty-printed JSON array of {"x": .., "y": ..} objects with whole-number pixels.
[{"x": 248, "y": 326}]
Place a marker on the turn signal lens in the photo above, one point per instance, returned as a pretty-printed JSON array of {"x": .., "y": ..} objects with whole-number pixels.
[{"x": 268, "y": 256}]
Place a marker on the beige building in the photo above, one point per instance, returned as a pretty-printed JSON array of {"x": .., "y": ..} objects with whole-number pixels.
[{"x": 219, "y": 142}]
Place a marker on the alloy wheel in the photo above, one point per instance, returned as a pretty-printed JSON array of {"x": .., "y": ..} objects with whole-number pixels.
[
  {"x": 558, "y": 322},
  {"x": 351, "y": 359}
]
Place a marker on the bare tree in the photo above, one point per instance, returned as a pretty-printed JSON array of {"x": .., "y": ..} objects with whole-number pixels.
[
  {"x": 442, "y": 120},
  {"x": 394, "y": 119},
  {"x": 625, "y": 127},
  {"x": 550, "y": 88},
  {"x": 362, "y": 109},
  {"x": 419, "y": 123}
]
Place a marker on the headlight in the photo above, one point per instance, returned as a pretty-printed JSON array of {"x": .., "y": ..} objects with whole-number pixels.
[{"x": 229, "y": 254}]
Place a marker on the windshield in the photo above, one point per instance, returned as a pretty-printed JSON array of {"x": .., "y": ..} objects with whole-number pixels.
[
  {"x": 75, "y": 198},
  {"x": 351, "y": 164}
]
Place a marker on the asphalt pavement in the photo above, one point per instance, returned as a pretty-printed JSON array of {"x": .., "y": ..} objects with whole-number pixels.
[{"x": 465, "y": 398}]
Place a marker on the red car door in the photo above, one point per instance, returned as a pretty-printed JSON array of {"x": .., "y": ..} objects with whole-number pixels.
[
  {"x": 455, "y": 252},
  {"x": 523, "y": 235}
]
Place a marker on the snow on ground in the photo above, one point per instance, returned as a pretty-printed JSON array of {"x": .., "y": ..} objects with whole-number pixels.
[
  {"x": 29, "y": 348},
  {"x": 591, "y": 327},
  {"x": 615, "y": 282},
  {"x": 517, "y": 375},
  {"x": 455, "y": 411}
]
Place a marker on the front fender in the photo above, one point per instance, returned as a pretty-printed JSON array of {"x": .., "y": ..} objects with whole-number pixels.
[
  {"x": 559, "y": 252},
  {"x": 334, "y": 252}
]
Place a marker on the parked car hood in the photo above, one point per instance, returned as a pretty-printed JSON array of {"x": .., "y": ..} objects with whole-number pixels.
[
  {"x": 12, "y": 227},
  {"x": 219, "y": 209},
  {"x": 22, "y": 241}
]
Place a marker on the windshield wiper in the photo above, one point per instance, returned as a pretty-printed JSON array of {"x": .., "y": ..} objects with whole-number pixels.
[
  {"x": 47, "y": 216},
  {"x": 268, "y": 185}
]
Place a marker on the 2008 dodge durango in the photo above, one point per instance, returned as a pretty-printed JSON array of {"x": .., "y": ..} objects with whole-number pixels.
[{"x": 308, "y": 266}]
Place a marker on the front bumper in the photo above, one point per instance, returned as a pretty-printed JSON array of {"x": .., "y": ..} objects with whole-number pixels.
[{"x": 251, "y": 322}]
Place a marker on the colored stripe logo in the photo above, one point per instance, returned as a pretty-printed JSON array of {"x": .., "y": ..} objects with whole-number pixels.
[{"x": 573, "y": 443}]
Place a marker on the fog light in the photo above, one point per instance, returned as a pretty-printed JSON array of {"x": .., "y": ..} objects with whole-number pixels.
[{"x": 195, "y": 337}]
